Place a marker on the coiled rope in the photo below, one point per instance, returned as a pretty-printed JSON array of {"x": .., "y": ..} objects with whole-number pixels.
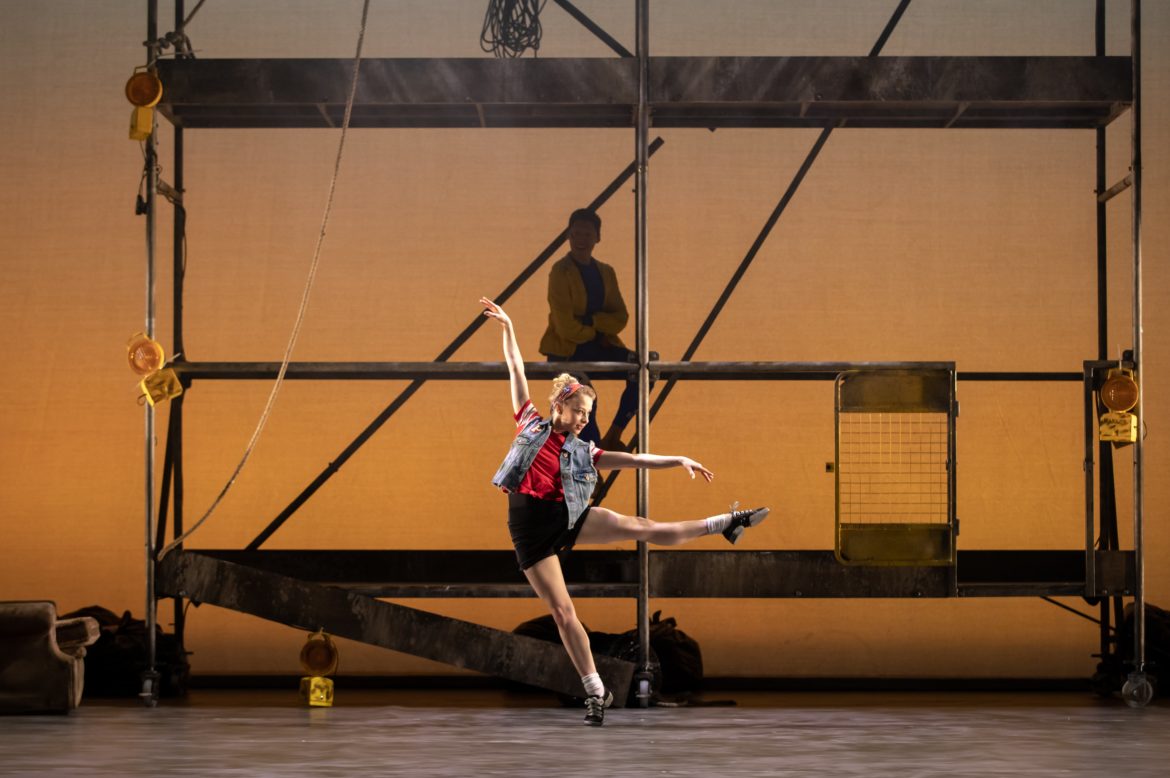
[
  {"x": 296, "y": 330},
  {"x": 511, "y": 26}
]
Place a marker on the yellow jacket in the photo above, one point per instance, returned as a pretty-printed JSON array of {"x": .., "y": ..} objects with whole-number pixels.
[{"x": 566, "y": 303}]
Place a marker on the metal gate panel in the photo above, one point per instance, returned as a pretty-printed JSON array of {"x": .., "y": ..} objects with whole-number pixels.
[{"x": 895, "y": 473}]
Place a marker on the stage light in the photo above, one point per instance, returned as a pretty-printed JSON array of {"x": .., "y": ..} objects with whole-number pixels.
[
  {"x": 144, "y": 353},
  {"x": 146, "y": 358},
  {"x": 143, "y": 90},
  {"x": 1119, "y": 393},
  {"x": 319, "y": 658}
]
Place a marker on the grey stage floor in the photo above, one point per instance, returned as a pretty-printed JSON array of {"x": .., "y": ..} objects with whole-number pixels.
[{"x": 487, "y": 733}]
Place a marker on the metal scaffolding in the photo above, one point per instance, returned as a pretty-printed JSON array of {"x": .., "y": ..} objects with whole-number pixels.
[{"x": 633, "y": 91}]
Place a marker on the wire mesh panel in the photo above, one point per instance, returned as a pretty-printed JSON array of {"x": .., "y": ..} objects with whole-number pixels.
[{"x": 895, "y": 467}]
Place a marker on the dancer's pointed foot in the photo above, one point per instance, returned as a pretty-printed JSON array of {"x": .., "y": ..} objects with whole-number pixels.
[{"x": 741, "y": 520}]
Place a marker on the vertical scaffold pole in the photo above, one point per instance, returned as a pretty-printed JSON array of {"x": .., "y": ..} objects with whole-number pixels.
[
  {"x": 1106, "y": 458},
  {"x": 1139, "y": 621},
  {"x": 641, "y": 292},
  {"x": 179, "y": 254},
  {"x": 149, "y": 693}
]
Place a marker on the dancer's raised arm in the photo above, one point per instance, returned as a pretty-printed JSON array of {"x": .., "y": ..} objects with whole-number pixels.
[{"x": 511, "y": 354}]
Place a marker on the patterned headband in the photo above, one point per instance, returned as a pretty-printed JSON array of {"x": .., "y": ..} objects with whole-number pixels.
[{"x": 567, "y": 391}]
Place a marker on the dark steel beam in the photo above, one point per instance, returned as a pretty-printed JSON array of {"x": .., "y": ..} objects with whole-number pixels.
[
  {"x": 683, "y": 92},
  {"x": 446, "y": 567},
  {"x": 779, "y": 574},
  {"x": 877, "y": 81},
  {"x": 505, "y": 591},
  {"x": 310, "y": 606},
  {"x": 786, "y": 574},
  {"x": 1016, "y": 572}
]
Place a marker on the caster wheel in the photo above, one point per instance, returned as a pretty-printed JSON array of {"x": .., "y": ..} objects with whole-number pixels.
[
  {"x": 1137, "y": 690},
  {"x": 644, "y": 693},
  {"x": 149, "y": 693}
]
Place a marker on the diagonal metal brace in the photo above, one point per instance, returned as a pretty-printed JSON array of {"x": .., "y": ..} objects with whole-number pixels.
[
  {"x": 594, "y": 28},
  {"x": 310, "y": 606}
]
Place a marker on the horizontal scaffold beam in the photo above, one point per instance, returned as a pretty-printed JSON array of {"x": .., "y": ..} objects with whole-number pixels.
[
  {"x": 709, "y": 92},
  {"x": 485, "y": 371},
  {"x": 310, "y": 605},
  {"x": 776, "y": 574}
]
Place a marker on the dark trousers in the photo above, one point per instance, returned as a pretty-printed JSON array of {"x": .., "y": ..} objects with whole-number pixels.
[{"x": 627, "y": 405}]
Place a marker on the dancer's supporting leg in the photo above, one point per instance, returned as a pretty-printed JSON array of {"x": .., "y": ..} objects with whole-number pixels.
[{"x": 548, "y": 581}]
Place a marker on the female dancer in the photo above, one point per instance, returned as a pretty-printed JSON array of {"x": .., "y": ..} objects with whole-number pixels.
[{"x": 549, "y": 474}]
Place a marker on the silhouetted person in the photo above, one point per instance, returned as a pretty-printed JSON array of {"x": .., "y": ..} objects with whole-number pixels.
[{"x": 586, "y": 313}]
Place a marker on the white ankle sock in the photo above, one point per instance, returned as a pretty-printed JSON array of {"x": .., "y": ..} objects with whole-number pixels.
[
  {"x": 593, "y": 685},
  {"x": 716, "y": 524}
]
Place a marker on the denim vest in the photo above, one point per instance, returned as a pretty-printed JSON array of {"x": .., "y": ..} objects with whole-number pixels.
[{"x": 578, "y": 476}]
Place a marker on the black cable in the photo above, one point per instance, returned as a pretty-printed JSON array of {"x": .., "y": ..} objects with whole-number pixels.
[{"x": 511, "y": 26}]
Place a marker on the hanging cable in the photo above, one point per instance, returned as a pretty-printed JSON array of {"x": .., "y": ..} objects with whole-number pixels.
[
  {"x": 511, "y": 26},
  {"x": 304, "y": 297}
]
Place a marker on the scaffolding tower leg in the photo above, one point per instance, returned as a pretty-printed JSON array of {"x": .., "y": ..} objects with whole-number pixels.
[
  {"x": 1137, "y": 690},
  {"x": 149, "y": 692},
  {"x": 642, "y": 337}
]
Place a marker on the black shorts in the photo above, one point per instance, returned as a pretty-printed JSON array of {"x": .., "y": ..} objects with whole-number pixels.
[{"x": 540, "y": 528}]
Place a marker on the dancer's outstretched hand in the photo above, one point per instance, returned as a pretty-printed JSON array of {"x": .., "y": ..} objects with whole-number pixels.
[
  {"x": 493, "y": 311},
  {"x": 692, "y": 467}
]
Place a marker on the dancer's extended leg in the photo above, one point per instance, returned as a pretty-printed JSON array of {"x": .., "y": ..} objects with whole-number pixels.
[{"x": 606, "y": 526}]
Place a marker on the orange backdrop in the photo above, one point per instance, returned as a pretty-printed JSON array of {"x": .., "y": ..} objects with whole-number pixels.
[{"x": 971, "y": 246}]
